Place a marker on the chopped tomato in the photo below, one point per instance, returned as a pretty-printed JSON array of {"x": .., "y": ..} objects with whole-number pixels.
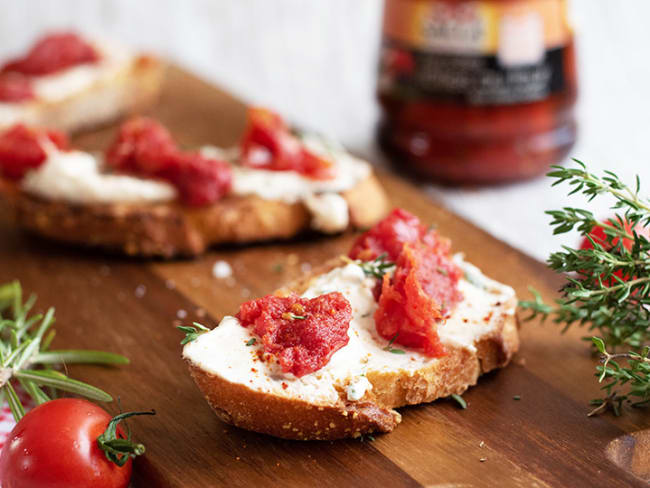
[
  {"x": 389, "y": 236},
  {"x": 269, "y": 144},
  {"x": 145, "y": 148},
  {"x": 52, "y": 53},
  {"x": 21, "y": 149},
  {"x": 199, "y": 180},
  {"x": 15, "y": 87},
  {"x": 418, "y": 296},
  {"x": 142, "y": 147},
  {"x": 424, "y": 286},
  {"x": 302, "y": 333}
]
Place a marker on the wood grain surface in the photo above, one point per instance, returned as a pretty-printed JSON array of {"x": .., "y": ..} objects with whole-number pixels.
[{"x": 126, "y": 306}]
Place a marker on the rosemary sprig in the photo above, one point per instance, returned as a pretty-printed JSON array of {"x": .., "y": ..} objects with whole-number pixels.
[
  {"x": 25, "y": 358},
  {"x": 389, "y": 347},
  {"x": 607, "y": 287}
]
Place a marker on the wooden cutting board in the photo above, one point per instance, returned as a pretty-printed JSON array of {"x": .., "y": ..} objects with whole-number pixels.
[{"x": 130, "y": 307}]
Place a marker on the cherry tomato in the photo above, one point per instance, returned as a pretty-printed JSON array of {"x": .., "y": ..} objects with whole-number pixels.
[
  {"x": 599, "y": 236},
  {"x": 55, "y": 446}
]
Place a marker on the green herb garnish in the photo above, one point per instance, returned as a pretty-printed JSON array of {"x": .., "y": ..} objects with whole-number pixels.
[
  {"x": 191, "y": 333},
  {"x": 26, "y": 358},
  {"x": 461, "y": 401},
  {"x": 391, "y": 349},
  {"x": 378, "y": 267},
  {"x": 251, "y": 341},
  {"x": 607, "y": 287}
]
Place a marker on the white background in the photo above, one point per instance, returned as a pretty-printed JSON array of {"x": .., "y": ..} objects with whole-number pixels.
[{"x": 315, "y": 61}]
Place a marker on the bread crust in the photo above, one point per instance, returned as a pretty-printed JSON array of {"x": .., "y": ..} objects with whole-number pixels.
[
  {"x": 171, "y": 229},
  {"x": 132, "y": 90},
  {"x": 291, "y": 418}
]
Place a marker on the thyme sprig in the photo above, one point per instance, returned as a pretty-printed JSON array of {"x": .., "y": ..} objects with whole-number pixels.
[
  {"x": 25, "y": 356},
  {"x": 607, "y": 287},
  {"x": 191, "y": 333},
  {"x": 636, "y": 374},
  {"x": 376, "y": 268}
]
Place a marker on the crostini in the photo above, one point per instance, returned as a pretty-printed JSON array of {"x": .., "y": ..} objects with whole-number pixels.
[
  {"x": 145, "y": 196},
  {"x": 69, "y": 83},
  {"x": 399, "y": 321}
]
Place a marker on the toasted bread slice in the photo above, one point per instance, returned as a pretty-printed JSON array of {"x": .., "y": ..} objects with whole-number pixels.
[
  {"x": 171, "y": 229},
  {"x": 132, "y": 89},
  {"x": 357, "y": 391}
]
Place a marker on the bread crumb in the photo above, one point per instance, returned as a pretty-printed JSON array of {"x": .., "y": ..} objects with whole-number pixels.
[
  {"x": 481, "y": 444},
  {"x": 332, "y": 425},
  {"x": 170, "y": 284},
  {"x": 181, "y": 314},
  {"x": 140, "y": 291},
  {"x": 200, "y": 312},
  {"x": 483, "y": 460},
  {"x": 305, "y": 267},
  {"x": 221, "y": 269},
  {"x": 292, "y": 259}
]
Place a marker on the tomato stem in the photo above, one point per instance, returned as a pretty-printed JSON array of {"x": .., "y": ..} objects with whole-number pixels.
[{"x": 117, "y": 449}]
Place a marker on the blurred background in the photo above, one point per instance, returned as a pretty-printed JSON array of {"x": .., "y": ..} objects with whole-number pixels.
[{"x": 316, "y": 63}]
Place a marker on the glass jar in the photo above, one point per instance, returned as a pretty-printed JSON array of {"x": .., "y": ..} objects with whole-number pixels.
[{"x": 477, "y": 91}]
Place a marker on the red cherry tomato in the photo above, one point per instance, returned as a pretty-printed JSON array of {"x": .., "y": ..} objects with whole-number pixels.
[
  {"x": 599, "y": 236},
  {"x": 55, "y": 446},
  {"x": 21, "y": 149}
]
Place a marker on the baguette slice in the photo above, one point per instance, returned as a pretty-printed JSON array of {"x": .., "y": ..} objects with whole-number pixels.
[
  {"x": 171, "y": 229},
  {"x": 132, "y": 89},
  {"x": 358, "y": 391}
]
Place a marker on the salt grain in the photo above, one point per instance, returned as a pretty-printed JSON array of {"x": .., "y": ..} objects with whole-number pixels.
[
  {"x": 140, "y": 291},
  {"x": 181, "y": 314},
  {"x": 221, "y": 269}
]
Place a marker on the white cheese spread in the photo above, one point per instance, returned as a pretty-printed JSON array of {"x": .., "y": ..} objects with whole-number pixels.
[
  {"x": 223, "y": 350},
  {"x": 75, "y": 177},
  {"x": 330, "y": 213}
]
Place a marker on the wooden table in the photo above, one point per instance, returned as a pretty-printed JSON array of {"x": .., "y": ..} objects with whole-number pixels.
[{"x": 126, "y": 306}]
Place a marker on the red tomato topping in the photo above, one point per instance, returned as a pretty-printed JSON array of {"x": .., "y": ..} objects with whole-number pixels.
[
  {"x": 389, "y": 236},
  {"x": 199, "y": 180},
  {"x": 269, "y": 144},
  {"x": 302, "y": 333},
  {"x": 53, "y": 53},
  {"x": 15, "y": 88},
  {"x": 424, "y": 286},
  {"x": 142, "y": 147},
  {"x": 145, "y": 148},
  {"x": 412, "y": 303},
  {"x": 21, "y": 150}
]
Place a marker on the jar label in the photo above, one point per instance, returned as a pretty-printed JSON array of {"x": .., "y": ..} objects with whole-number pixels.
[{"x": 474, "y": 52}]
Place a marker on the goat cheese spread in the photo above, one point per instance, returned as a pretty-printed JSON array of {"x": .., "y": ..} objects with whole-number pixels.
[{"x": 76, "y": 177}]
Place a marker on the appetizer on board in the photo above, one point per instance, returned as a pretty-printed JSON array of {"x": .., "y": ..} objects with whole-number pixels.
[
  {"x": 399, "y": 321},
  {"x": 69, "y": 83},
  {"x": 146, "y": 196}
]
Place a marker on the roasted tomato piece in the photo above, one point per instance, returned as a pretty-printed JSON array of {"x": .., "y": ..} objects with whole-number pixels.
[
  {"x": 21, "y": 149},
  {"x": 145, "y": 148},
  {"x": 15, "y": 87},
  {"x": 418, "y": 296},
  {"x": 199, "y": 180},
  {"x": 142, "y": 147},
  {"x": 53, "y": 53},
  {"x": 389, "y": 236},
  {"x": 269, "y": 144},
  {"x": 302, "y": 333}
]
